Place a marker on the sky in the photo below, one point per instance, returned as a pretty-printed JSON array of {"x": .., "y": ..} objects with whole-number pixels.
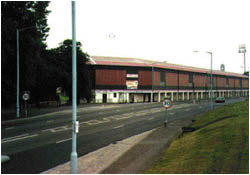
[{"x": 160, "y": 30}]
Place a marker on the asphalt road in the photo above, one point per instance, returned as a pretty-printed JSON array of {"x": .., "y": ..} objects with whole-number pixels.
[{"x": 38, "y": 144}]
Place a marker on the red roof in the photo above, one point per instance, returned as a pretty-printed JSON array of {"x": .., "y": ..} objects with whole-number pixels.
[{"x": 123, "y": 61}]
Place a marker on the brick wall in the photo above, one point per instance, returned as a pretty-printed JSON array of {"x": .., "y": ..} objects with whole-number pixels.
[
  {"x": 171, "y": 79},
  {"x": 200, "y": 80},
  {"x": 157, "y": 78},
  {"x": 221, "y": 82},
  {"x": 237, "y": 83},
  {"x": 231, "y": 82},
  {"x": 110, "y": 77},
  {"x": 245, "y": 83},
  {"x": 145, "y": 78},
  {"x": 183, "y": 79}
]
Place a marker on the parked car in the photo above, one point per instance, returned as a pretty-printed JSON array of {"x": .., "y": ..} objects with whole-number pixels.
[{"x": 220, "y": 100}]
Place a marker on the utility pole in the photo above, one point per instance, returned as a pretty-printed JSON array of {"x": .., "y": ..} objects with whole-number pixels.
[
  {"x": 75, "y": 124},
  {"x": 211, "y": 83},
  {"x": 242, "y": 49},
  {"x": 152, "y": 94},
  {"x": 211, "y": 79},
  {"x": 17, "y": 85}
]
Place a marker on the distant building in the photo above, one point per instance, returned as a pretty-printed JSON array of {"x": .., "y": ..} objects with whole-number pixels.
[{"x": 128, "y": 80}]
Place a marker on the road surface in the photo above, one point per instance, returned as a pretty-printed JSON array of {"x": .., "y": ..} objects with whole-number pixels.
[{"x": 40, "y": 143}]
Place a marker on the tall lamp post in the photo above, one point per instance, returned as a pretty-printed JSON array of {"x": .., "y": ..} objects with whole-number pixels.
[
  {"x": 17, "y": 84},
  {"x": 242, "y": 49},
  {"x": 211, "y": 79},
  {"x": 75, "y": 124},
  {"x": 152, "y": 94}
]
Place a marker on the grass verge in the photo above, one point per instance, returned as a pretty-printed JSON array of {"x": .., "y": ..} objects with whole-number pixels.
[{"x": 220, "y": 144}]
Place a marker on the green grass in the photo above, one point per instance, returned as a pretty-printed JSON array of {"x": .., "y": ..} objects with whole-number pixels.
[
  {"x": 219, "y": 145},
  {"x": 63, "y": 98}
]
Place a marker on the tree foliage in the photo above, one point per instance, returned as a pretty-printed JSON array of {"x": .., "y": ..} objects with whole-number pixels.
[
  {"x": 18, "y": 15},
  {"x": 60, "y": 70},
  {"x": 41, "y": 70}
]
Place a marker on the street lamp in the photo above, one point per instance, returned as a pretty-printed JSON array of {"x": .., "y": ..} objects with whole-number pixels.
[
  {"x": 211, "y": 78},
  {"x": 242, "y": 49},
  {"x": 152, "y": 94},
  {"x": 75, "y": 124},
  {"x": 17, "y": 89}
]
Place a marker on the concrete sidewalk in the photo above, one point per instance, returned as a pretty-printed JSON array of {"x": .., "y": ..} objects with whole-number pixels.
[{"x": 130, "y": 156}]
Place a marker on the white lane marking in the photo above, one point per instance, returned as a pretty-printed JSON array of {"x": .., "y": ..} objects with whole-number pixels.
[
  {"x": 46, "y": 130},
  {"x": 119, "y": 126},
  {"x": 100, "y": 113},
  {"x": 151, "y": 118},
  {"x": 117, "y": 110},
  {"x": 9, "y": 128},
  {"x": 64, "y": 140},
  {"x": 9, "y": 138},
  {"x": 57, "y": 129},
  {"x": 187, "y": 109},
  {"x": 171, "y": 113},
  {"x": 49, "y": 121},
  {"x": 20, "y": 138}
]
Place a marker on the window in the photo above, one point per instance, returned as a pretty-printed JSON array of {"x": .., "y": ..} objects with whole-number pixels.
[
  {"x": 114, "y": 95},
  {"x": 163, "y": 79},
  {"x": 190, "y": 80}
]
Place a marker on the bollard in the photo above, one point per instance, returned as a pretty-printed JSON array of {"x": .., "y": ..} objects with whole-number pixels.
[
  {"x": 165, "y": 123},
  {"x": 4, "y": 158}
]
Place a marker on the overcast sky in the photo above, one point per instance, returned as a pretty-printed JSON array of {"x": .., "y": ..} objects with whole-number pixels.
[{"x": 160, "y": 30}]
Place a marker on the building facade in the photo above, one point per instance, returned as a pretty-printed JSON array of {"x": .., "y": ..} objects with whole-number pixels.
[{"x": 130, "y": 80}]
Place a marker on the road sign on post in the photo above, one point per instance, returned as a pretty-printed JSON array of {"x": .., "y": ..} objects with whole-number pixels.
[
  {"x": 26, "y": 97},
  {"x": 167, "y": 103},
  {"x": 58, "y": 90}
]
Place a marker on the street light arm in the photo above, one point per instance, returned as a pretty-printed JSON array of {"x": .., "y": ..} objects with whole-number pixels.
[{"x": 25, "y": 28}]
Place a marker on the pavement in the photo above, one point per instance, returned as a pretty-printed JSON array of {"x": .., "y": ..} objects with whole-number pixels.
[{"x": 130, "y": 156}]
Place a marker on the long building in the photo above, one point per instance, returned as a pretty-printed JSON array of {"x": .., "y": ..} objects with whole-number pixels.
[{"x": 128, "y": 80}]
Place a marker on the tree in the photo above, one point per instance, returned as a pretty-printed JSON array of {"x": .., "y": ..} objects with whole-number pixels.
[
  {"x": 60, "y": 60},
  {"x": 17, "y": 15}
]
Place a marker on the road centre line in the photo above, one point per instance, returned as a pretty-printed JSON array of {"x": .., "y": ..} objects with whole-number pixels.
[
  {"x": 19, "y": 138},
  {"x": 187, "y": 110},
  {"x": 128, "y": 115},
  {"x": 57, "y": 129},
  {"x": 49, "y": 121},
  {"x": 123, "y": 116},
  {"x": 9, "y": 128},
  {"x": 64, "y": 140},
  {"x": 151, "y": 118},
  {"x": 120, "y": 126},
  {"x": 15, "y": 137}
]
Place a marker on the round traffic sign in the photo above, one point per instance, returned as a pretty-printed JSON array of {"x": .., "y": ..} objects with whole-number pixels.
[
  {"x": 26, "y": 96},
  {"x": 167, "y": 104},
  {"x": 59, "y": 90}
]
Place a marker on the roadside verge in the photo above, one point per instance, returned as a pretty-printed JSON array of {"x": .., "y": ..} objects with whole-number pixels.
[{"x": 217, "y": 144}]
